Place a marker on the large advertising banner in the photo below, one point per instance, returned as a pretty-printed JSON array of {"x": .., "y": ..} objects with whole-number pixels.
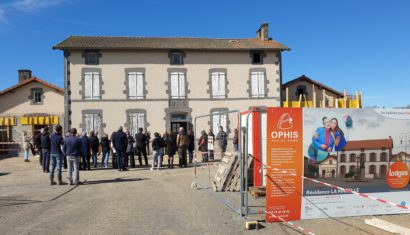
[
  {"x": 284, "y": 151},
  {"x": 355, "y": 161}
]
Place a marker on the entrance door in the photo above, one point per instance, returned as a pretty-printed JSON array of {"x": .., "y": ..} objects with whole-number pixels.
[
  {"x": 176, "y": 125},
  {"x": 180, "y": 120}
]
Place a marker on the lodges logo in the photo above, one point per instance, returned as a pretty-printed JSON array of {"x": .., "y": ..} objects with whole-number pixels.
[{"x": 398, "y": 175}]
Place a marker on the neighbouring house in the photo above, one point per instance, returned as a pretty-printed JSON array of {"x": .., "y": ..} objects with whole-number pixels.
[
  {"x": 163, "y": 83},
  {"x": 368, "y": 158},
  {"x": 28, "y": 106},
  {"x": 328, "y": 167},
  {"x": 306, "y": 92},
  {"x": 401, "y": 156}
]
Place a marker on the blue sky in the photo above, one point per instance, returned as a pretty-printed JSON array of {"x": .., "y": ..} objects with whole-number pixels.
[{"x": 355, "y": 45}]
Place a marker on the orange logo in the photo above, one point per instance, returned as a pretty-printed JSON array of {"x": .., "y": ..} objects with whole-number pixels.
[
  {"x": 398, "y": 175},
  {"x": 285, "y": 122}
]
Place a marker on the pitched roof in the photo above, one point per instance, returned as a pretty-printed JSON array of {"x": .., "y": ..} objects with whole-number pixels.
[
  {"x": 158, "y": 43},
  {"x": 305, "y": 78},
  {"x": 368, "y": 144},
  {"x": 33, "y": 79}
]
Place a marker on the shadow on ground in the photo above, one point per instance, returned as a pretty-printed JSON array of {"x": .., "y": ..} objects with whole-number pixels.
[{"x": 116, "y": 180}]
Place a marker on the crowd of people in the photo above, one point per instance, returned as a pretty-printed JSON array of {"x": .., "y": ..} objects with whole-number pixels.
[{"x": 77, "y": 152}]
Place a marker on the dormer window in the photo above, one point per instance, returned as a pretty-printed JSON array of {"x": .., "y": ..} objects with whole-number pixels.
[
  {"x": 176, "y": 57},
  {"x": 36, "y": 96}
]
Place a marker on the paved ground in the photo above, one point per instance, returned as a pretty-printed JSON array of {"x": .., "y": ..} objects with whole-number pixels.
[{"x": 138, "y": 201}]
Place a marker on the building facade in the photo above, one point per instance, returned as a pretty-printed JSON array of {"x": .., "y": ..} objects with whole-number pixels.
[
  {"x": 28, "y": 106},
  {"x": 368, "y": 158},
  {"x": 164, "y": 83}
]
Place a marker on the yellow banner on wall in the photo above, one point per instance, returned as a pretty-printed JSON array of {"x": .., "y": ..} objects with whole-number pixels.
[
  {"x": 8, "y": 121},
  {"x": 40, "y": 120}
]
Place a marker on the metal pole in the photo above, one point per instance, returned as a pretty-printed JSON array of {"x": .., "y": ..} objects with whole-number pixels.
[{"x": 241, "y": 168}]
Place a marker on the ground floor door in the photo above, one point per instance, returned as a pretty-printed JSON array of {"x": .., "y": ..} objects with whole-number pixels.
[{"x": 180, "y": 120}]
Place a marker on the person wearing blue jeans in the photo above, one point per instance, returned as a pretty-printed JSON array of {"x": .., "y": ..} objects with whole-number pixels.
[
  {"x": 72, "y": 149},
  {"x": 56, "y": 155},
  {"x": 105, "y": 147},
  {"x": 157, "y": 144}
]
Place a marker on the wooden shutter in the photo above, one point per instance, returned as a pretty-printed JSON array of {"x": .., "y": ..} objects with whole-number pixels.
[
  {"x": 88, "y": 85},
  {"x": 261, "y": 81},
  {"x": 96, "y": 86},
  {"x": 140, "y": 85},
  {"x": 222, "y": 78},
  {"x": 215, "y": 90},
  {"x": 181, "y": 85},
  {"x": 254, "y": 84},
  {"x": 174, "y": 85},
  {"x": 132, "y": 85}
]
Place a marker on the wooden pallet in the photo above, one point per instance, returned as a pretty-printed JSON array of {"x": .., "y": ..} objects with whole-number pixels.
[{"x": 257, "y": 192}]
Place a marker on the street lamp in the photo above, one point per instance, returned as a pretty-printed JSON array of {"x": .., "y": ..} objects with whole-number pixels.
[{"x": 405, "y": 139}]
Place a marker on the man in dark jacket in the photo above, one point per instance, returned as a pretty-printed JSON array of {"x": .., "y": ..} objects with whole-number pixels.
[
  {"x": 85, "y": 151},
  {"x": 105, "y": 148},
  {"x": 94, "y": 145},
  {"x": 223, "y": 139},
  {"x": 45, "y": 149},
  {"x": 141, "y": 140},
  {"x": 56, "y": 155},
  {"x": 72, "y": 149},
  {"x": 37, "y": 144},
  {"x": 119, "y": 142}
]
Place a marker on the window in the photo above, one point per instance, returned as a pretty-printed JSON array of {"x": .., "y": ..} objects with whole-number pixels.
[
  {"x": 258, "y": 84},
  {"x": 135, "y": 85},
  {"x": 136, "y": 121},
  {"x": 301, "y": 90},
  {"x": 383, "y": 157},
  {"x": 373, "y": 157},
  {"x": 352, "y": 157},
  {"x": 92, "y": 85},
  {"x": 178, "y": 85},
  {"x": 256, "y": 58},
  {"x": 219, "y": 118},
  {"x": 92, "y": 57},
  {"x": 343, "y": 157},
  {"x": 352, "y": 169},
  {"x": 92, "y": 122},
  {"x": 218, "y": 85},
  {"x": 176, "y": 58},
  {"x": 372, "y": 169},
  {"x": 37, "y": 97}
]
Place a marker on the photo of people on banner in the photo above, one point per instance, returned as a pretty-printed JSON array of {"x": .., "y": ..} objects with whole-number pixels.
[{"x": 328, "y": 138}]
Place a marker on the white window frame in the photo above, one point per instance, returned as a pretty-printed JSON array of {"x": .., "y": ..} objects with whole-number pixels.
[
  {"x": 136, "y": 87},
  {"x": 92, "y": 91},
  {"x": 218, "y": 85},
  {"x": 219, "y": 118},
  {"x": 178, "y": 87},
  {"x": 92, "y": 122},
  {"x": 136, "y": 120},
  {"x": 258, "y": 80}
]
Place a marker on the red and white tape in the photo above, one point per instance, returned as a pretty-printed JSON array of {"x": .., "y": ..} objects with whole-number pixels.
[
  {"x": 305, "y": 231},
  {"x": 343, "y": 189}
]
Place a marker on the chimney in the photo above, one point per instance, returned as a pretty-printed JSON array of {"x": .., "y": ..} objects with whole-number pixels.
[
  {"x": 262, "y": 32},
  {"x": 24, "y": 74}
]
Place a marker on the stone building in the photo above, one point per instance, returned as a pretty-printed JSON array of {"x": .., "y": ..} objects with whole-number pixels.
[
  {"x": 29, "y": 105},
  {"x": 164, "y": 83}
]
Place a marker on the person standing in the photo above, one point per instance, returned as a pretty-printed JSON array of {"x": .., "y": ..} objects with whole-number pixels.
[
  {"x": 26, "y": 145},
  {"x": 56, "y": 155},
  {"x": 171, "y": 148},
  {"x": 203, "y": 146},
  {"x": 72, "y": 149},
  {"x": 45, "y": 149},
  {"x": 191, "y": 145},
  {"x": 119, "y": 142},
  {"x": 85, "y": 154},
  {"x": 211, "y": 141},
  {"x": 105, "y": 147},
  {"x": 130, "y": 150},
  {"x": 182, "y": 144},
  {"x": 141, "y": 140},
  {"x": 157, "y": 146},
  {"x": 37, "y": 143},
  {"x": 235, "y": 140},
  {"x": 94, "y": 145},
  {"x": 222, "y": 137},
  {"x": 148, "y": 140}
]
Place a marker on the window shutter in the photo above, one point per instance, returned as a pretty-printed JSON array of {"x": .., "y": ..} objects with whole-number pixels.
[
  {"x": 215, "y": 90},
  {"x": 88, "y": 122},
  {"x": 223, "y": 121},
  {"x": 174, "y": 85},
  {"x": 140, "y": 86},
  {"x": 96, "y": 86},
  {"x": 261, "y": 84},
  {"x": 97, "y": 123},
  {"x": 141, "y": 120},
  {"x": 215, "y": 122},
  {"x": 222, "y": 78},
  {"x": 132, "y": 85},
  {"x": 88, "y": 85},
  {"x": 181, "y": 85},
  {"x": 254, "y": 85}
]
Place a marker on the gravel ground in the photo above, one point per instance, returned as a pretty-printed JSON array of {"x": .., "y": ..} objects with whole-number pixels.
[{"x": 138, "y": 201}]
